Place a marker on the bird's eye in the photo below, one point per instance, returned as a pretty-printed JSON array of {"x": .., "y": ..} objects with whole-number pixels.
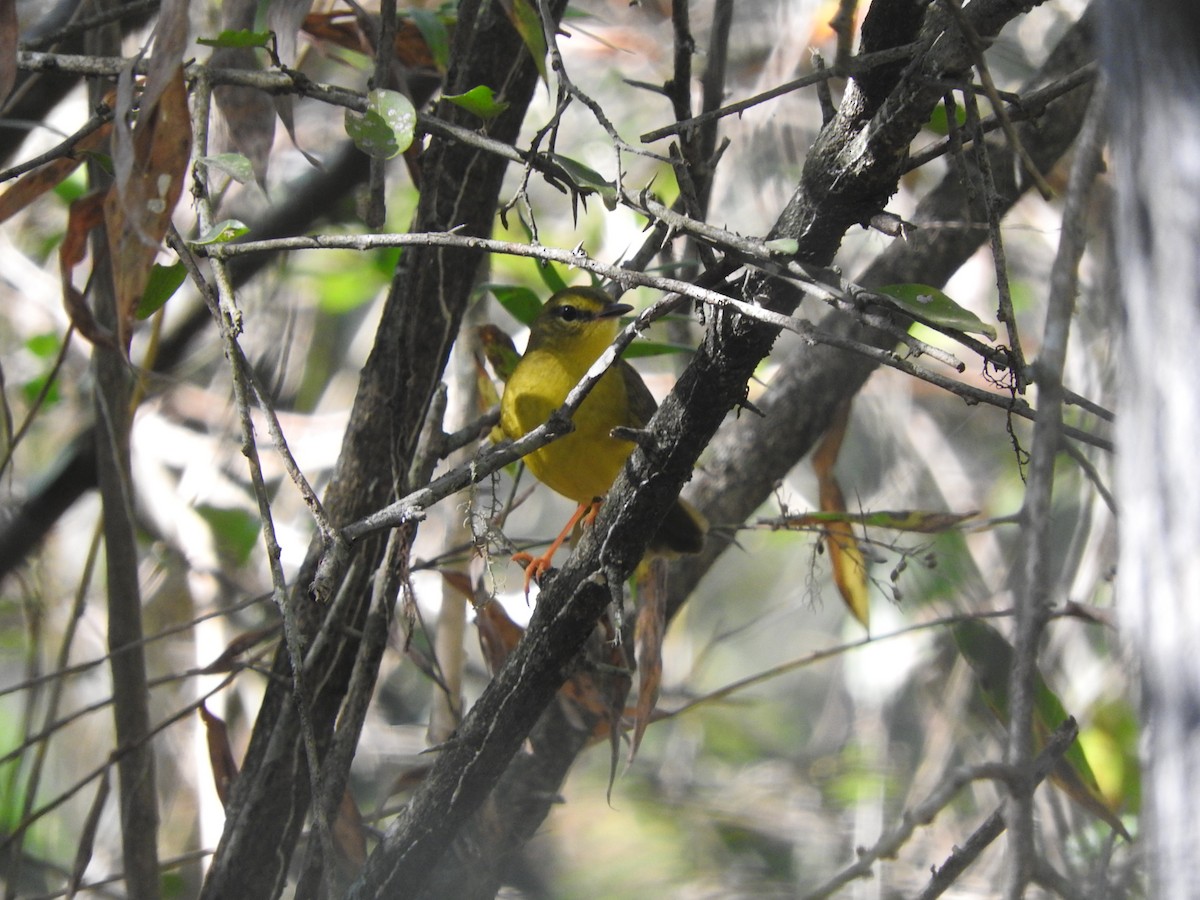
[{"x": 570, "y": 313}]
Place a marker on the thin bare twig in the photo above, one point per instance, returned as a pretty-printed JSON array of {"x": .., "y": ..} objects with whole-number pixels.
[
  {"x": 1004, "y": 311},
  {"x": 969, "y": 850},
  {"x": 975, "y": 43},
  {"x": 1015, "y": 405},
  {"x": 1037, "y": 585},
  {"x": 222, "y": 305},
  {"x": 1030, "y": 106},
  {"x": 857, "y": 65}
]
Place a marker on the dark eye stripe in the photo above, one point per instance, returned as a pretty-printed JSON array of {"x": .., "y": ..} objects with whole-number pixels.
[{"x": 569, "y": 313}]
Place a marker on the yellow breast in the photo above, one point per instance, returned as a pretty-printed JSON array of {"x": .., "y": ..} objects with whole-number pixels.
[{"x": 584, "y": 464}]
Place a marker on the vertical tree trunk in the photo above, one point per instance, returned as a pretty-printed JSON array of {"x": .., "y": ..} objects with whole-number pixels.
[{"x": 1152, "y": 54}]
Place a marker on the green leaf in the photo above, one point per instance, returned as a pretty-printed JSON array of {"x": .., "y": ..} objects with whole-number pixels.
[
  {"x": 915, "y": 520},
  {"x": 655, "y": 348},
  {"x": 223, "y": 232},
  {"x": 437, "y": 38},
  {"x": 164, "y": 282},
  {"x": 241, "y": 38},
  {"x": 931, "y": 305},
  {"x": 235, "y": 530},
  {"x": 522, "y": 303},
  {"x": 990, "y": 657},
  {"x": 34, "y": 386},
  {"x": 551, "y": 277},
  {"x": 939, "y": 121},
  {"x": 386, "y": 129},
  {"x": 235, "y": 165},
  {"x": 587, "y": 180},
  {"x": 44, "y": 346},
  {"x": 72, "y": 187},
  {"x": 783, "y": 247},
  {"x": 479, "y": 101},
  {"x": 525, "y": 18}
]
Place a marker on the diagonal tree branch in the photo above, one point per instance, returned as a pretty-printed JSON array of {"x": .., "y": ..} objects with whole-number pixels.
[
  {"x": 419, "y": 322},
  {"x": 849, "y": 175}
]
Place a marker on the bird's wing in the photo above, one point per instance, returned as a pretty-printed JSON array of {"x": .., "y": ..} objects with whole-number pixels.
[{"x": 641, "y": 402}]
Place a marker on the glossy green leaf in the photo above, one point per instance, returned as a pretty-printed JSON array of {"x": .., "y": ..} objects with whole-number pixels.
[
  {"x": 235, "y": 165},
  {"x": 522, "y": 303},
  {"x": 524, "y": 17},
  {"x": 437, "y": 37},
  {"x": 931, "y": 305},
  {"x": 480, "y": 101},
  {"x": 223, "y": 232},
  {"x": 551, "y": 277},
  {"x": 387, "y": 128},
  {"x": 990, "y": 657},
  {"x": 33, "y": 388},
  {"x": 587, "y": 180},
  {"x": 164, "y": 282},
  {"x": 939, "y": 121}
]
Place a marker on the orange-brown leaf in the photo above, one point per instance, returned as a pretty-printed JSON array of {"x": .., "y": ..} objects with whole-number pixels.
[
  {"x": 344, "y": 29},
  {"x": 845, "y": 556},
  {"x": 84, "y": 214},
  {"x": 498, "y": 634},
  {"x": 236, "y": 648},
  {"x": 460, "y": 581},
  {"x": 649, "y": 631},
  {"x": 45, "y": 178},
  {"x": 220, "y": 754},
  {"x": 826, "y": 454}
]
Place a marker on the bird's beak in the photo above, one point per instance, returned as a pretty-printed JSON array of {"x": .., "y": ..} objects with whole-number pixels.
[{"x": 613, "y": 310}]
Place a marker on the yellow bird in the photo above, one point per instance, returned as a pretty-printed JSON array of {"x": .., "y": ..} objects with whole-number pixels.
[{"x": 574, "y": 327}]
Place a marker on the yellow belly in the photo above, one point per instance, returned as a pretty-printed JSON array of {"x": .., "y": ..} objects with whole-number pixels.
[{"x": 584, "y": 464}]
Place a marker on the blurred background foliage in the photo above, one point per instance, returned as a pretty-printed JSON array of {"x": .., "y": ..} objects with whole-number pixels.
[{"x": 763, "y": 790}]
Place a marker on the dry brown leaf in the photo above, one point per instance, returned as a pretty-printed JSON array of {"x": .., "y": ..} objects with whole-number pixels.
[
  {"x": 284, "y": 18},
  {"x": 408, "y": 779},
  {"x": 45, "y": 178},
  {"x": 349, "y": 835},
  {"x": 649, "y": 631},
  {"x": 249, "y": 113},
  {"x": 845, "y": 556},
  {"x": 137, "y": 216},
  {"x": 84, "y": 214},
  {"x": 344, "y": 29},
  {"x": 170, "y": 42},
  {"x": 460, "y": 581},
  {"x": 498, "y": 634},
  {"x": 9, "y": 35},
  {"x": 220, "y": 754},
  {"x": 235, "y": 649}
]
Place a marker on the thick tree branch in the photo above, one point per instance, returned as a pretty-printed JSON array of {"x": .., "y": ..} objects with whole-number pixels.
[
  {"x": 865, "y": 164},
  {"x": 419, "y": 322}
]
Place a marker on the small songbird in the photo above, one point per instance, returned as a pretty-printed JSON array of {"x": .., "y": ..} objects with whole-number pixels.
[{"x": 574, "y": 327}]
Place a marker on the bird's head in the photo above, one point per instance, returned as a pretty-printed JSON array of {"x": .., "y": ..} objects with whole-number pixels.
[{"x": 579, "y": 322}]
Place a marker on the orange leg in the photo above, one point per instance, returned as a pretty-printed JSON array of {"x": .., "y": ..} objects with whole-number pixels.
[{"x": 536, "y": 566}]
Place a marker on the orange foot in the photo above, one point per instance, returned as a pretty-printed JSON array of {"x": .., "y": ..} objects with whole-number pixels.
[{"x": 537, "y": 566}]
